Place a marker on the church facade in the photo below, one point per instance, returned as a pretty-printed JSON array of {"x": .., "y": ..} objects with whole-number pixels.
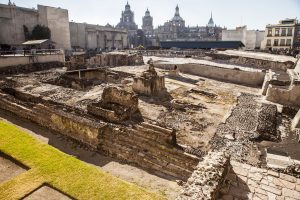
[
  {"x": 172, "y": 30},
  {"x": 175, "y": 30},
  {"x": 127, "y": 22}
]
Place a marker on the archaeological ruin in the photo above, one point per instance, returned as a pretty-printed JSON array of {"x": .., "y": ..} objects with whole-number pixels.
[{"x": 205, "y": 125}]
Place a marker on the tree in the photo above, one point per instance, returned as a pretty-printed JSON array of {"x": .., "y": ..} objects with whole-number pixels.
[{"x": 40, "y": 32}]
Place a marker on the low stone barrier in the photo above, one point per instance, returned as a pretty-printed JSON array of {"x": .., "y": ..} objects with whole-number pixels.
[{"x": 208, "y": 178}]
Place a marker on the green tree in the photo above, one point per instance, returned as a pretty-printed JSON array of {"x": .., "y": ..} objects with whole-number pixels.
[{"x": 40, "y": 32}]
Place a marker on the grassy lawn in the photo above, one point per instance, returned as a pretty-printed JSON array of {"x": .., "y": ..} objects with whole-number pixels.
[{"x": 64, "y": 172}]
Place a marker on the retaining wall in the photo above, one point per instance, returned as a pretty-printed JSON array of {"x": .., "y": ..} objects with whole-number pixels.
[
  {"x": 252, "y": 62},
  {"x": 144, "y": 145},
  {"x": 7, "y": 61},
  {"x": 232, "y": 75}
]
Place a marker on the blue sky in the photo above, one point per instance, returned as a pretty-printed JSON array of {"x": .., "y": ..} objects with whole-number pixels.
[{"x": 229, "y": 13}]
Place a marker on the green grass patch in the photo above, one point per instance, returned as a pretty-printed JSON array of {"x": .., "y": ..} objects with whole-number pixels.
[{"x": 64, "y": 172}]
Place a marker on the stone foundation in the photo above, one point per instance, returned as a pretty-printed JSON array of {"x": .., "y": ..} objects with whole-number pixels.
[
  {"x": 148, "y": 146},
  {"x": 208, "y": 178},
  {"x": 116, "y": 105},
  {"x": 115, "y": 59},
  {"x": 149, "y": 83}
]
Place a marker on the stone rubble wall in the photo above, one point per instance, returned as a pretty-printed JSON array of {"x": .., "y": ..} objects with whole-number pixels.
[
  {"x": 149, "y": 87},
  {"x": 252, "y": 62},
  {"x": 289, "y": 96},
  {"x": 208, "y": 178},
  {"x": 115, "y": 59},
  {"x": 144, "y": 145}
]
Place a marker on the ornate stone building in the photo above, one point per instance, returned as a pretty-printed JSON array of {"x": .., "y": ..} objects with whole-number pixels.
[
  {"x": 147, "y": 26},
  {"x": 175, "y": 29},
  {"x": 127, "y": 22}
]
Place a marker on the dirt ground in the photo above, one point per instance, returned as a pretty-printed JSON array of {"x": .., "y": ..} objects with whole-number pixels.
[
  {"x": 48, "y": 193},
  {"x": 9, "y": 169},
  {"x": 195, "y": 127}
]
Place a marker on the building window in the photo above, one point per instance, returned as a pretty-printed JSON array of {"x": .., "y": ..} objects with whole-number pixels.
[
  {"x": 288, "y": 42},
  {"x": 268, "y": 42},
  {"x": 290, "y": 32},
  {"x": 269, "y": 32},
  {"x": 298, "y": 31},
  {"x": 277, "y": 32},
  {"x": 276, "y": 42},
  {"x": 283, "y": 32},
  {"x": 282, "y": 42}
]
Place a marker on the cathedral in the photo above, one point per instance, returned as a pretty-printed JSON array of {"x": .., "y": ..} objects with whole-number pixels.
[
  {"x": 172, "y": 30},
  {"x": 127, "y": 22},
  {"x": 175, "y": 30}
]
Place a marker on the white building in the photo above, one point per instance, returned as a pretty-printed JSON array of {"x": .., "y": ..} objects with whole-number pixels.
[{"x": 250, "y": 38}]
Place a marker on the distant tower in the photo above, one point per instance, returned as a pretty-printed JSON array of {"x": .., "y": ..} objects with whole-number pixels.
[
  {"x": 147, "y": 26},
  {"x": 127, "y": 22},
  {"x": 9, "y": 3},
  {"x": 211, "y": 21},
  {"x": 127, "y": 19},
  {"x": 177, "y": 21}
]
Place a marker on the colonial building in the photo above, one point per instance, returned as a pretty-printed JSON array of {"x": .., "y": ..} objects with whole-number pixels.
[
  {"x": 175, "y": 29},
  {"x": 95, "y": 37},
  {"x": 127, "y": 22},
  {"x": 15, "y": 20},
  {"x": 284, "y": 35},
  {"x": 250, "y": 38}
]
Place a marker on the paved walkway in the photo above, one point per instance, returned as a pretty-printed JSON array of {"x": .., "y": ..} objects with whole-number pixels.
[{"x": 247, "y": 182}]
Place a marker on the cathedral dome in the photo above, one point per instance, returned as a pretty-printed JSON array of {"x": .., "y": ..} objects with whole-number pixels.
[{"x": 177, "y": 15}]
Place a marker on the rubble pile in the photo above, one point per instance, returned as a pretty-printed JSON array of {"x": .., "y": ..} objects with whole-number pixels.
[{"x": 208, "y": 177}]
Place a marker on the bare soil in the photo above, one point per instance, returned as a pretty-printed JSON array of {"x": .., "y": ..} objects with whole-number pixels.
[{"x": 9, "y": 169}]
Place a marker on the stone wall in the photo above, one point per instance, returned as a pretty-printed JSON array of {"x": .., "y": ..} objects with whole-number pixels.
[
  {"x": 12, "y": 19},
  {"x": 116, "y": 59},
  {"x": 284, "y": 95},
  {"x": 231, "y": 75},
  {"x": 208, "y": 178},
  {"x": 8, "y": 61},
  {"x": 29, "y": 68},
  {"x": 251, "y": 62},
  {"x": 296, "y": 121},
  {"x": 144, "y": 145}
]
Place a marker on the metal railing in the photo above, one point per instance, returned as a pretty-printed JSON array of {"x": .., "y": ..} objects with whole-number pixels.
[{"x": 31, "y": 52}]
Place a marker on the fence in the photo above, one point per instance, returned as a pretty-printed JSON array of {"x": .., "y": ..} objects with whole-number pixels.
[{"x": 30, "y": 52}]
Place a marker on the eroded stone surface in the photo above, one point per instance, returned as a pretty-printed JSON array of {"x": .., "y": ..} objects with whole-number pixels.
[
  {"x": 258, "y": 183},
  {"x": 208, "y": 177}
]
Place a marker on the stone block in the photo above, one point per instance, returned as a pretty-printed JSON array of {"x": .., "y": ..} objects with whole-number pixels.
[{"x": 288, "y": 178}]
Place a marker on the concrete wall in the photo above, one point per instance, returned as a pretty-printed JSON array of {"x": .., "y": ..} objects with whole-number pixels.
[
  {"x": 57, "y": 20},
  {"x": 285, "y": 96},
  {"x": 25, "y": 60},
  {"x": 12, "y": 19},
  {"x": 90, "y": 36},
  {"x": 249, "y": 78},
  {"x": 250, "y": 38}
]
